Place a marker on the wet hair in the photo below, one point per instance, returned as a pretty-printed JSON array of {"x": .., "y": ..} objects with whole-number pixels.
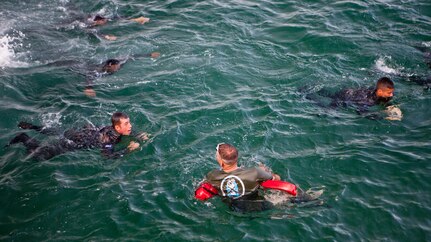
[
  {"x": 111, "y": 62},
  {"x": 385, "y": 82},
  {"x": 228, "y": 153},
  {"x": 98, "y": 18},
  {"x": 116, "y": 118}
]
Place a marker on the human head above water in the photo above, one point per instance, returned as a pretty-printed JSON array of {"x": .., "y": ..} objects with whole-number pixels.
[
  {"x": 99, "y": 20},
  {"x": 226, "y": 154},
  {"x": 121, "y": 123},
  {"x": 111, "y": 65},
  {"x": 385, "y": 88}
]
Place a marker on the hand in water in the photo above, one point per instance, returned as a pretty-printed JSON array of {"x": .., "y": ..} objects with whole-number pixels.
[
  {"x": 133, "y": 145},
  {"x": 140, "y": 20},
  {"x": 110, "y": 37},
  {"x": 143, "y": 136},
  {"x": 155, "y": 54},
  {"x": 394, "y": 113},
  {"x": 90, "y": 92}
]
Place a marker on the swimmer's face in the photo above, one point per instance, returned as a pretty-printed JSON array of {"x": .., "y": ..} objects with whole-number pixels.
[
  {"x": 100, "y": 22},
  {"x": 112, "y": 68},
  {"x": 124, "y": 127},
  {"x": 385, "y": 92}
]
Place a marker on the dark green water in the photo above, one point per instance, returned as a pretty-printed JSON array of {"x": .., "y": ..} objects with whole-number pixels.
[{"x": 229, "y": 71}]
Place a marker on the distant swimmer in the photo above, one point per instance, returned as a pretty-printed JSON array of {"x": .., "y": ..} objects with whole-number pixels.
[
  {"x": 91, "y": 71},
  {"x": 99, "y": 20},
  {"x": 240, "y": 188},
  {"x": 89, "y": 137},
  {"x": 362, "y": 98},
  {"x": 109, "y": 67}
]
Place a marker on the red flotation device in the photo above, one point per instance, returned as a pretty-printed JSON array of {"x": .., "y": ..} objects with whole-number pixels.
[
  {"x": 205, "y": 191},
  {"x": 280, "y": 185}
]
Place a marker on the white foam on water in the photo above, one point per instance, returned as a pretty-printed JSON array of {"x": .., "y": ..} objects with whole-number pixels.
[
  {"x": 427, "y": 44},
  {"x": 381, "y": 65},
  {"x": 51, "y": 119},
  {"x": 277, "y": 197},
  {"x": 8, "y": 44}
]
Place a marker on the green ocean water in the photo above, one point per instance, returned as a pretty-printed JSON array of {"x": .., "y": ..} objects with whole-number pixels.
[{"x": 229, "y": 71}]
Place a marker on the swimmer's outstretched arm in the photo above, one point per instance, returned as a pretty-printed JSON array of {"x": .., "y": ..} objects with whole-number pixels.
[
  {"x": 142, "y": 136},
  {"x": 99, "y": 20},
  {"x": 140, "y": 20}
]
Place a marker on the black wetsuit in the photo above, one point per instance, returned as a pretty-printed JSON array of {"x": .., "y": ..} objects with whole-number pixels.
[
  {"x": 362, "y": 99},
  {"x": 423, "y": 81},
  {"x": 72, "y": 139},
  {"x": 91, "y": 72}
]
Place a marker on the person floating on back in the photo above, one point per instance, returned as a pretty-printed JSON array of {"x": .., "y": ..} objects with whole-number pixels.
[{"x": 89, "y": 137}]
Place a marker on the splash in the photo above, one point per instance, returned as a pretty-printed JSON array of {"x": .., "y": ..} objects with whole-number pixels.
[
  {"x": 303, "y": 197},
  {"x": 278, "y": 197},
  {"x": 8, "y": 44},
  {"x": 51, "y": 119},
  {"x": 381, "y": 64},
  {"x": 427, "y": 44}
]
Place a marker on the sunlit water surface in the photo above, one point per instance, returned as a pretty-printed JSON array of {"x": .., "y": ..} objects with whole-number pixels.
[{"x": 228, "y": 72}]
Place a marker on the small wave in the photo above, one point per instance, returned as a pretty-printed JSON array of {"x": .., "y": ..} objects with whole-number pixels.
[
  {"x": 8, "y": 44},
  {"x": 381, "y": 64}
]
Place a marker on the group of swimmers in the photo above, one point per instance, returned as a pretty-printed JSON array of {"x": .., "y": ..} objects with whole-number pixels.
[
  {"x": 239, "y": 187},
  {"x": 112, "y": 65},
  {"x": 236, "y": 185}
]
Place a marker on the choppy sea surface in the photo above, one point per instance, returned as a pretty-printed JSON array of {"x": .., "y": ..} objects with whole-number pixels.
[{"x": 229, "y": 71}]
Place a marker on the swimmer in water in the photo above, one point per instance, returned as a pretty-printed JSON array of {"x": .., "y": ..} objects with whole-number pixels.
[
  {"x": 92, "y": 72},
  {"x": 109, "y": 67},
  {"x": 362, "y": 98},
  {"x": 89, "y": 137},
  {"x": 100, "y": 21},
  {"x": 238, "y": 185}
]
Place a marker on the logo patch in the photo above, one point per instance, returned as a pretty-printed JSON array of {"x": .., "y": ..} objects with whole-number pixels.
[{"x": 232, "y": 186}]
